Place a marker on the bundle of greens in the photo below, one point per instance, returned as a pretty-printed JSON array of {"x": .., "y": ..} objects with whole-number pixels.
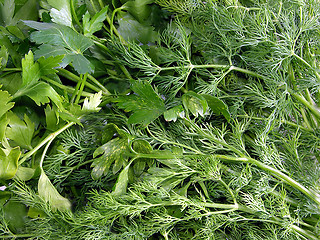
[{"x": 166, "y": 119}]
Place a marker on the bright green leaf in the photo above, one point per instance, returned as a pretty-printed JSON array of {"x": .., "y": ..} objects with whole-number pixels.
[
  {"x": 4, "y": 121},
  {"x": 91, "y": 104},
  {"x": 50, "y": 194},
  {"x": 35, "y": 213},
  {"x": 30, "y": 70},
  {"x": 11, "y": 82},
  {"x": 195, "y": 103},
  {"x": 9, "y": 162},
  {"x": 49, "y": 65},
  {"x": 24, "y": 173},
  {"x": 5, "y": 104},
  {"x": 20, "y": 131},
  {"x": 217, "y": 106},
  {"x": 96, "y": 23},
  {"x": 146, "y": 105}
]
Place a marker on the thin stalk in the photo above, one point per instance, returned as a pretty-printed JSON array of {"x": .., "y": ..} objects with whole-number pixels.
[
  {"x": 11, "y": 70},
  {"x": 215, "y": 66},
  {"x": 282, "y": 121},
  {"x": 95, "y": 81},
  {"x": 312, "y": 108},
  {"x": 65, "y": 73},
  {"x": 74, "y": 14},
  {"x": 44, "y": 141},
  {"x": 63, "y": 87},
  {"x": 276, "y": 173},
  {"x": 76, "y": 90},
  {"x": 14, "y": 236},
  {"x": 83, "y": 82}
]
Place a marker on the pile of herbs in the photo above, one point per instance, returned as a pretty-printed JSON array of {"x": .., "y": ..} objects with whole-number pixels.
[{"x": 159, "y": 119}]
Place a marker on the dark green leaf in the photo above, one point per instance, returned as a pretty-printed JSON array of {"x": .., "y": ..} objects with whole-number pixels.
[
  {"x": 15, "y": 214},
  {"x": 131, "y": 30},
  {"x": 62, "y": 40},
  {"x": 139, "y": 9},
  {"x": 146, "y": 105},
  {"x": 217, "y": 106}
]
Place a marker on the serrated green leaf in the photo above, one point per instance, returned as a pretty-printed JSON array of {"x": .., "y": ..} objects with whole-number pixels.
[
  {"x": 51, "y": 118},
  {"x": 96, "y": 23},
  {"x": 91, "y": 104},
  {"x": 113, "y": 151},
  {"x": 131, "y": 30},
  {"x": 195, "y": 103},
  {"x": 62, "y": 40},
  {"x": 50, "y": 194},
  {"x": 48, "y": 65},
  {"x": 9, "y": 162},
  {"x": 30, "y": 70},
  {"x": 146, "y": 105},
  {"x": 217, "y": 106},
  {"x": 20, "y": 131},
  {"x": 173, "y": 113},
  {"x": 5, "y": 104}
]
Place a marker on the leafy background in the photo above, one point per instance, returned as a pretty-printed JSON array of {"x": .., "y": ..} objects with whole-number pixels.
[{"x": 164, "y": 119}]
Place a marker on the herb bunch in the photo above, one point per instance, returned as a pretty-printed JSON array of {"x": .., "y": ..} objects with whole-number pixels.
[{"x": 207, "y": 125}]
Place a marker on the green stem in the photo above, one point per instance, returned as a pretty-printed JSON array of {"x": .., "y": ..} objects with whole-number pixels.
[
  {"x": 215, "y": 66},
  {"x": 44, "y": 141},
  {"x": 74, "y": 14},
  {"x": 11, "y": 70},
  {"x": 276, "y": 173},
  {"x": 95, "y": 81},
  {"x": 63, "y": 87},
  {"x": 65, "y": 73},
  {"x": 84, "y": 79},
  {"x": 282, "y": 121},
  {"x": 314, "y": 110}
]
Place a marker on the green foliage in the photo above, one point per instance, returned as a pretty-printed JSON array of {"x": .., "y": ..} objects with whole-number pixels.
[
  {"x": 146, "y": 105},
  {"x": 159, "y": 120}
]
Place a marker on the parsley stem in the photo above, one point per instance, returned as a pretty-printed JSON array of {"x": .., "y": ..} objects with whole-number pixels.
[
  {"x": 44, "y": 141},
  {"x": 65, "y": 73},
  {"x": 11, "y": 69},
  {"x": 95, "y": 81},
  {"x": 67, "y": 88},
  {"x": 83, "y": 82}
]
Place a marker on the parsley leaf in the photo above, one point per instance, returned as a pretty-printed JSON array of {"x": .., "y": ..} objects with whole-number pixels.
[
  {"x": 145, "y": 104},
  {"x": 62, "y": 40}
]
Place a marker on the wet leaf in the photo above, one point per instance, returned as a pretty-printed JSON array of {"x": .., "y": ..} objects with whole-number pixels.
[{"x": 195, "y": 103}]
